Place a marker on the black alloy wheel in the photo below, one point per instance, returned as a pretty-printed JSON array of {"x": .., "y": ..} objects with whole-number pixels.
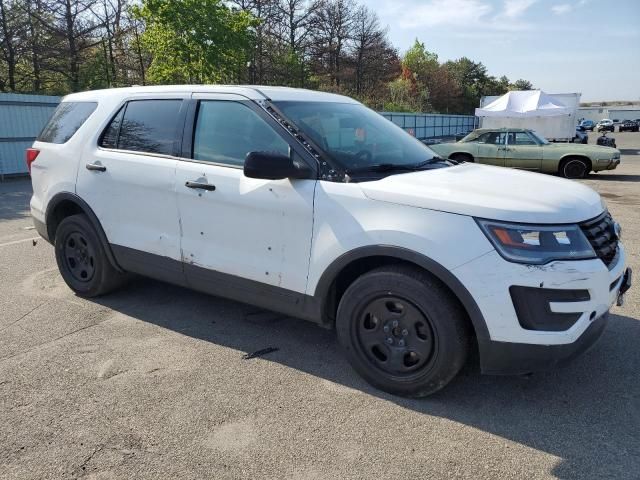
[
  {"x": 79, "y": 257},
  {"x": 403, "y": 330},
  {"x": 395, "y": 336},
  {"x": 82, "y": 259}
]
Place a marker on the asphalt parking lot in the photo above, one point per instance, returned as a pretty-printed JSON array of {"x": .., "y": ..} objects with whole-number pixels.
[{"x": 150, "y": 383}]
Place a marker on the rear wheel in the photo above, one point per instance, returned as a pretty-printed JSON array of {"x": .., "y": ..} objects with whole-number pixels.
[
  {"x": 403, "y": 331},
  {"x": 81, "y": 258},
  {"x": 574, "y": 168}
]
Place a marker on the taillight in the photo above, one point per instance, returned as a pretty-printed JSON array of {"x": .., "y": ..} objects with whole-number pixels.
[{"x": 32, "y": 154}]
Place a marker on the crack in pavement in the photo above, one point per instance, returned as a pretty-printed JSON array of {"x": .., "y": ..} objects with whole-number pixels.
[
  {"x": 8, "y": 357},
  {"x": 23, "y": 316}
]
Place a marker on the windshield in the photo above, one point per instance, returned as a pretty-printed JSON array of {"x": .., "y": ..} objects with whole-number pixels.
[
  {"x": 354, "y": 136},
  {"x": 539, "y": 137}
]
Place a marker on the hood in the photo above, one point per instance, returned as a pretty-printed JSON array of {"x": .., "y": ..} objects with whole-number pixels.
[{"x": 495, "y": 193}]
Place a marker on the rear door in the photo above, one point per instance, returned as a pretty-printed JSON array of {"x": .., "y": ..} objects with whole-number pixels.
[
  {"x": 128, "y": 179},
  {"x": 240, "y": 234},
  {"x": 522, "y": 151},
  {"x": 490, "y": 148}
]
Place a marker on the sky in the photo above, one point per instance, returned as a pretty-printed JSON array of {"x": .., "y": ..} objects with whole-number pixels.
[{"x": 566, "y": 46}]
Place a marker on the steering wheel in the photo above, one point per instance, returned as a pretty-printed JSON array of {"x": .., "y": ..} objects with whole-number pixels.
[{"x": 365, "y": 155}]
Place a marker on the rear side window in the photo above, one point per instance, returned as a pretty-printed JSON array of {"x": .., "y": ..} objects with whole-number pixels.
[
  {"x": 145, "y": 126},
  {"x": 65, "y": 121}
]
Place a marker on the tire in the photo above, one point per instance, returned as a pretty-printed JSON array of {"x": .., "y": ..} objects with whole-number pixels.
[
  {"x": 461, "y": 157},
  {"x": 403, "y": 331},
  {"x": 81, "y": 259},
  {"x": 574, "y": 168}
]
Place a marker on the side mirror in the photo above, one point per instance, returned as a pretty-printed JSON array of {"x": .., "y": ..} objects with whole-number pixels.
[{"x": 273, "y": 166}]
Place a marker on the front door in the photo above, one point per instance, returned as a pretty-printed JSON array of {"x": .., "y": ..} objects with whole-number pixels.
[
  {"x": 523, "y": 151},
  {"x": 240, "y": 235}
]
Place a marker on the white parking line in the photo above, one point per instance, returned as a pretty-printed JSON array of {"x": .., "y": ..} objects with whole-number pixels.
[{"x": 19, "y": 241}]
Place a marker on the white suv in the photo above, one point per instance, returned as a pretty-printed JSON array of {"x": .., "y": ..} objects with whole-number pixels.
[{"x": 311, "y": 204}]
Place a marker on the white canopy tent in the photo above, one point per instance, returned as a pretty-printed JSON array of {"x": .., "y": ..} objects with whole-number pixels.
[
  {"x": 527, "y": 103},
  {"x": 533, "y": 109}
]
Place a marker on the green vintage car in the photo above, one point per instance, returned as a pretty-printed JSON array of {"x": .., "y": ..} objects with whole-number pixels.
[{"x": 525, "y": 149}]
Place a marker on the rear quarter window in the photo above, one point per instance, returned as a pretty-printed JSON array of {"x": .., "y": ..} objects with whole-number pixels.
[{"x": 65, "y": 121}]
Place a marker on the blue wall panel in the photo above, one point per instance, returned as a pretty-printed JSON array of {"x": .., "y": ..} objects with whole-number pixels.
[
  {"x": 21, "y": 119},
  {"x": 432, "y": 125}
]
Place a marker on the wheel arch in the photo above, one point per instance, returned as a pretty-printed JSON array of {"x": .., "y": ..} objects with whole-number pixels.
[
  {"x": 573, "y": 156},
  {"x": 463, "y": 154},
  {"x": 349, "y": 266},
  {"x": 65, "y": 204}
]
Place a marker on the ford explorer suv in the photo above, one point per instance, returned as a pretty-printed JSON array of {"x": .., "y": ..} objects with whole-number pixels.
[{"x": 312, "y": 205}]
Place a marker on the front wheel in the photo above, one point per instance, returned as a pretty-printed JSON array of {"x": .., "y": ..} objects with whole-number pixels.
[
  {"x": 403, "y": 331},
  {"x": 81, "y": 258},
  {"x": 574, "y": 168},
  {"x": 461, "y": 157}
]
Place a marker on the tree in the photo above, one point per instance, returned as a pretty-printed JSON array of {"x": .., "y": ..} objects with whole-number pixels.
[
  {"x": 332, "y": 23},
  {"x": 420, "y": 61},
  {"x": 10, "y": 24},
  {"x": 374, "y": 61},
  {"x": 195, "y": 40},
  {"x": 521, "y": 84}
]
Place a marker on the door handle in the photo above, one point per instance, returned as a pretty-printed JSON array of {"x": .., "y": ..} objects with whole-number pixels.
[
  {"x": 96, "y": 167},
  {"x": 203, "y": 186}
]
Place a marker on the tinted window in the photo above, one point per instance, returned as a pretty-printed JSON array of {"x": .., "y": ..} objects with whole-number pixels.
[
  {"x": 226, "y": 131},
  {"x": 66, "y": 120},
  {"x": 110, "y": 135},
  {"x": 149, "y": 126}
]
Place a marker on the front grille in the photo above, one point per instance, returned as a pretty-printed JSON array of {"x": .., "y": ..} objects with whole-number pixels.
[{"x": 602, "y": 236}]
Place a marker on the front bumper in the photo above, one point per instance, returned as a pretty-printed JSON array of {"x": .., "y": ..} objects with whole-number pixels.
[
  {"x": 511, "y": 347},
  {"x": 606, "y": 164},
  {"x": 505, "y": 358}
]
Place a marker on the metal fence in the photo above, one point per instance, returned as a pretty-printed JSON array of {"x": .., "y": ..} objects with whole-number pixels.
[
  {"x": 21, "y": 119},
  {"x": 432, "y": 125}
]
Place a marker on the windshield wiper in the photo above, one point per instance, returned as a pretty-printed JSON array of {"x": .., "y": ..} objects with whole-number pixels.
[{"x": 394, "y": 167}]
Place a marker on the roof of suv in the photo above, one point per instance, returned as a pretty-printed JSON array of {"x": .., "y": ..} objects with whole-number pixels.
[{"x": 253, "y": 92}]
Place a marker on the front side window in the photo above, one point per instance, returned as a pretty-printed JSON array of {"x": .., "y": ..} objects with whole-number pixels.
[
  {"x": 227, "y": 131},
  {"x": 65, "y": 121},
  {"x": 539, "y": 138},
  {"x": 144, "y": 126},
  {"x": 354, "y": 136}
]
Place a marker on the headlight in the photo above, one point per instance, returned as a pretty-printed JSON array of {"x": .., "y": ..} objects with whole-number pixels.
[{"x": 537, "y": 244}]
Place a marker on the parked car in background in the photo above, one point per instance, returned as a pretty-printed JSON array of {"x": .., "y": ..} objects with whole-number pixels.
[
  {"x": 588, "y": 125},
  {"x": 605, "y": 141},
  {"x": 524, "y": 149},
  {"x": 629, "y": 126},
  {"x": 312, "y": 205},
  {"x": 605, "y": 125},
  {"x": 581, "y": 135}
]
